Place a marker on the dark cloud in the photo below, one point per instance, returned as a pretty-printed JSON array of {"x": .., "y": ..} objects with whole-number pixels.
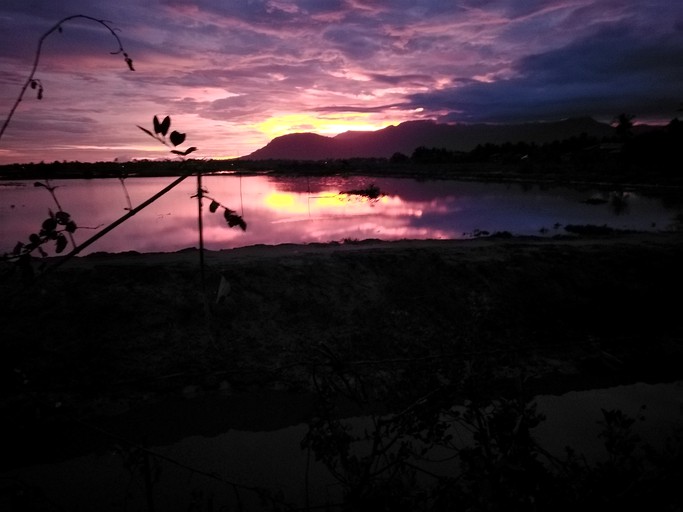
[
  {"x": 234, "y": 108},
  {"x": 357, "y": 108},
  {"x": 400, "y": 79},
  {"x": 259, "y": 13},
  {"x": 356, "y": 43},
  {"x": 600, "y": 76}
]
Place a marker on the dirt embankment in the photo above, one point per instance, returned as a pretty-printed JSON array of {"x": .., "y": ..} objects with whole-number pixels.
[
  {"x": 137, "y": 323},
  {"x": 113, "y": 334}
]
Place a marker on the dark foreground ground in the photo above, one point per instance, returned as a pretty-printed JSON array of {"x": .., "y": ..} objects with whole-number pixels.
[
  {"x": 127, "y": 342},
  {"x": 563, "y": 313}
]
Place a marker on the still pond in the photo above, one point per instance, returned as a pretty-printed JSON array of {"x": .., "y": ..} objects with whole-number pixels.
[{"x": 305, "y": 210}]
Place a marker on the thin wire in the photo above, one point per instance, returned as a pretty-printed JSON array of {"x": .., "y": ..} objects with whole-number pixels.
[{"x": 241, "y": 200}]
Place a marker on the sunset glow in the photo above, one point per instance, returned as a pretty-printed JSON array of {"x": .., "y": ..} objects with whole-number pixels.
[
  {"x": 323, "y": 202},
  {"x": 234, "y": 75},
  {"x": 294, "y": 123},
  {"x": 283, "y": 201}
]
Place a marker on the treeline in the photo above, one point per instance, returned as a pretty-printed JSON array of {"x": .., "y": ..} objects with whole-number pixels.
[
  {"x": 654, "y": 150},
  {"x": 651, "y": 156},
  {"x": 71, "y": 169}
]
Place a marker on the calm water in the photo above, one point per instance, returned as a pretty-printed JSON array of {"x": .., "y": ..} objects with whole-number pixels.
[
  {"x": 274, "y": 460},
  {"x": 301, "y": 210}
]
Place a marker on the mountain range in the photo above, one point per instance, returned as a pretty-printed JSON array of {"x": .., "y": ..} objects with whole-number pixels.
[{"x": 406, "y": 137}]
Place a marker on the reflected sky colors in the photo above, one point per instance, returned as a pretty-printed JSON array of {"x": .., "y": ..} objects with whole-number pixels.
[
  {"x": 274, "y": 460},
  {"x": 301, "y": 210}
]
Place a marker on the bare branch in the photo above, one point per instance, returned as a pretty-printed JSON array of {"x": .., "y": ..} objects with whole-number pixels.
[{"x": 32, "y": 82}]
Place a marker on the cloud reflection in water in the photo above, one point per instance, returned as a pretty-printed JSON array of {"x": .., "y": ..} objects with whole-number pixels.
[{"x": 305, "y": 210}]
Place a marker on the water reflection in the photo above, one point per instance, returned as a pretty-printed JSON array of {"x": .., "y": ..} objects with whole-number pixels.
[
  {"x": 305, "y": 210},
  {"x": 194, "y": 472}
]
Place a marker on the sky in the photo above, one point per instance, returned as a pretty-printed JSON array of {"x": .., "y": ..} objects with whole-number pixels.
[{"x": 234, "y": 74}]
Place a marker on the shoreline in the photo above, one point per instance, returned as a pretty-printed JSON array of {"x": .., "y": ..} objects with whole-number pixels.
[
  {"x": 488, "y": 174},
  {"x": 265, "y": 251}
]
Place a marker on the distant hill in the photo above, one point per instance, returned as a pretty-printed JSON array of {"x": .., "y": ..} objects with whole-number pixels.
[{"x": 405, "y": 137}]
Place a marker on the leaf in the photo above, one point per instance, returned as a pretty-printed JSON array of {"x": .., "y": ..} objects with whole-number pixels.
[
  {"x": 213, "y": 206},
  {"x": 234, "y": 220},
  {"x": 157, "y": 125},
  {"x": 129, "y": 61},
  {"x": 184, "y": 153},
  {"x": 17, "y": 248},
  {"x": 34, "y": 239},
  {"x": 62, "y": 217},
  {"x": 61, "y": 243},
  {"x": 33, "y": 84},
  {"x": 165, "y": 125},
  {"x": 71, "y": 227},
  {"x": 177, "y": 138},
  {"x": 49, "y": 224}
]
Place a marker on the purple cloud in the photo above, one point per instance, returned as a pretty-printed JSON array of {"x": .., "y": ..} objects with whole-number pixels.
[{"x": 230, "y": 71}]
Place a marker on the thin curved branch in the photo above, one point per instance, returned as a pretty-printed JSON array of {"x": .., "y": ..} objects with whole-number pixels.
[{"x": 58, "y": 27}]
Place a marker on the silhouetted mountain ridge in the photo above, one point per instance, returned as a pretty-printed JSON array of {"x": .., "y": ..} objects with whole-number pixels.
[{"x": 407, "y": 136}]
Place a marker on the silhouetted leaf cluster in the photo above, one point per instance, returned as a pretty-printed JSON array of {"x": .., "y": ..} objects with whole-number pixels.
[
  {"x": 55, "y": 228},
  {"x": 175, "y": 138},
  {"x": 163, "y": 126},
  {"x": 234, "y": 220},
  {"x": 230, "y": 216},
  {"x": 49, "y": 231}
]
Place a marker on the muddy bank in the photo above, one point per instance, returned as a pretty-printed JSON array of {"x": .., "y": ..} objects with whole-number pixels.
[{"x": 107, "y": 335}]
